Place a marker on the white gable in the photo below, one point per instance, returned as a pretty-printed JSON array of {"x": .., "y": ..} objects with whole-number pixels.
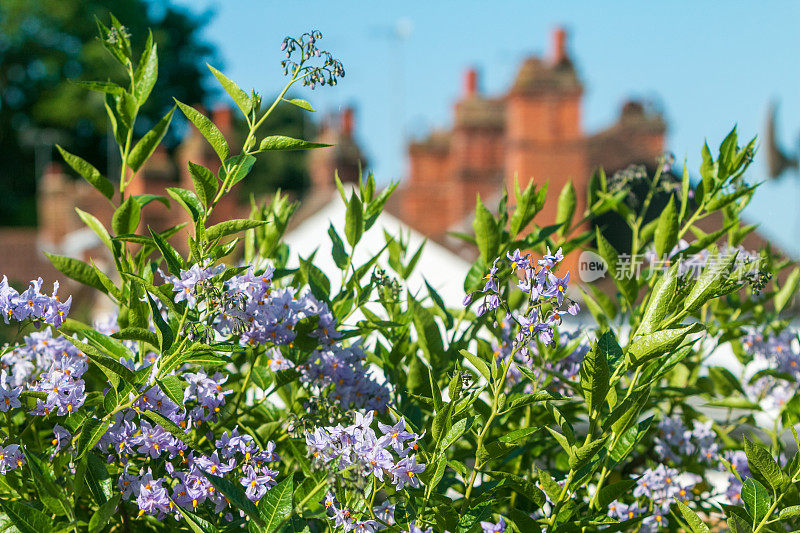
[{"x": 444, "y": 270}]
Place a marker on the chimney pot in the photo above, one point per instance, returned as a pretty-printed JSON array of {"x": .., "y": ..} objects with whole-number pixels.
[
  {"x": 559, "y": 45},
  {"x": 471, "y": 82},
  {"x": 347, "y": 122}
]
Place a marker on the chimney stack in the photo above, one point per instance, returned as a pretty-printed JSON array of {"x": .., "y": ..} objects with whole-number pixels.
[
  {"x": 470, "y": 82},
  {"x": 346, "y": 124},
  {"x": 223, "y": 118},
  {"x": 559, "y": 45}
]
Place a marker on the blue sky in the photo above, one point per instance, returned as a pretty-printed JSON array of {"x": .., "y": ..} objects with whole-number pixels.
[{"x": 708, "y": 65}]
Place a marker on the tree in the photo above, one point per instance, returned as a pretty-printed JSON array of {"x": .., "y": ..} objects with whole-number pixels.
[{"x": 45, "y": 44}]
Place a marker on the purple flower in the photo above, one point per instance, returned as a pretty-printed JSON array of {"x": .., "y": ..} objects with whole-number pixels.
[
  {"x": 556, "y": 287},
  {"x": 9, "y": 396},
  {"x": 257, "y": 483},
  {"x": 152, "y": 498},
  {"x": 61, "y": 438},
  {"x": 385, "y": 512},
  {"x": 11, "y": 457},
  {"x": 489, "y": 527},
  {"x": 213, "y": 465},
  {"x": 549, "y": 260},
  {"x": 518, "y": 262},
  {"x": 395, "y": 435},
  {"x": 405, "y": 473}
]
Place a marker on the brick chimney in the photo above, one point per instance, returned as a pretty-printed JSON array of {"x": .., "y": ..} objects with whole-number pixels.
[
  {"x": 470, "y": 82},
  {"x": 55, "y": 203},
  {"x": 559, "y": 46},
  {"x": 223, "y": 118},
  {"x": 346, "y": 122}
]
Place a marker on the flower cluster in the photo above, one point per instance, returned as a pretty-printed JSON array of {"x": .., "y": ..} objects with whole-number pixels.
[
  {"x": 32, "y": 304},
  {"x": 738, "y": 463},
  {"x": 555, "y": 375},
  {"x": 11, "y": 457},
  {"x": 777, "y": 353},
  {"x": 357, "y": 451},
  {"x": 676, "y": 442},
  {"x": 547, "y": 298},
  {"x": 325, "y": 74},
  {"x": 655, "y": 491},
  {"x": 268, "y": 316},
  {"x": 184, "y": 482},
  {"x": 63, "y": 365}
]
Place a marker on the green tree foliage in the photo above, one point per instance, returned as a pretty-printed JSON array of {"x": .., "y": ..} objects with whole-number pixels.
[{"x": 47, "y": 43}]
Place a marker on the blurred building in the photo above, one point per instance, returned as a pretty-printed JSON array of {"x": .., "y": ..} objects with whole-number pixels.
[{"x": 533, "y": 131}]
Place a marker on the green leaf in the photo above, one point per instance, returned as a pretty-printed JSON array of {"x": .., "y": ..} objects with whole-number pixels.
[
  {"x": 147, "y": 71},
  {"x": 519, "y": 434},
  {"x": 173, "y": 387},
  {"x": 763, "y": 465},
  {"x": 174, "y": 360},
  {"x": 337, "y": 248},
  {"x": 243, "y": 102},
  {"x": 89, "y": 173},
  {"x": 126, "y": 217},
  {"x": 100, "y": 230},
  {"x": 614, "y": 491},
  {"x": 91, "y": 431},
  {"x": 656, "y": 344},
  {"x": 164, "y": 332},
  {"x": 205, "y": 183},
  {"x": 565, "y": 211},
  {"x": 787, "y": 292},
  {"x": 696, "y": 525},
  {"x": 455, "y": 432},
  {"x": 790, "y": 512},
  {"x": 137, "y": 334},
  {"x": 101, "y": 517},
  {"x": 709, "y": 281},
  {"x": 667, "y": 229},
  {"x": 585, "y": 453},
  {"x": 660, "y": 298},
  {"x": 148, "y": 143},
  {"x": 300, "y": 103},
  {"x": 188, "y": 200},
  {"x": 487, "y": 232},
  {"x": 171, "y": 256},
  {"x": 757, "y": 499},
  {"x": 77, "y": 270},
  {"x": 171, "y": 427},
  {"x": 237, "y": 497},
  {"x": 375, "y": 207},
  {"x": 539, "y": 396},
  {"x": 107, "y": 364},
  {"x": 106, "y": 87},
  {"x": 97, "y": 478},
  {"x": 478, "y": 363},
  {"x": 207, "y": 129},
  {"x": 196, "y": 524},
  {"x": 230, "y": 227},
  {"x": 240, "y": 165},
  {"x": 685, "y": 184},
  {"x": 623, "y": 277},
  {"x": 354, "y": 220},
  {"x": 594, "y": 373},
  {"x": 522, "y": 486},
  {"x": 51, "y": 494},
  {"x": 26, "y": 518},
  {"x": 281, "y": 142},
  {"x": 276, "y": 505}
]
